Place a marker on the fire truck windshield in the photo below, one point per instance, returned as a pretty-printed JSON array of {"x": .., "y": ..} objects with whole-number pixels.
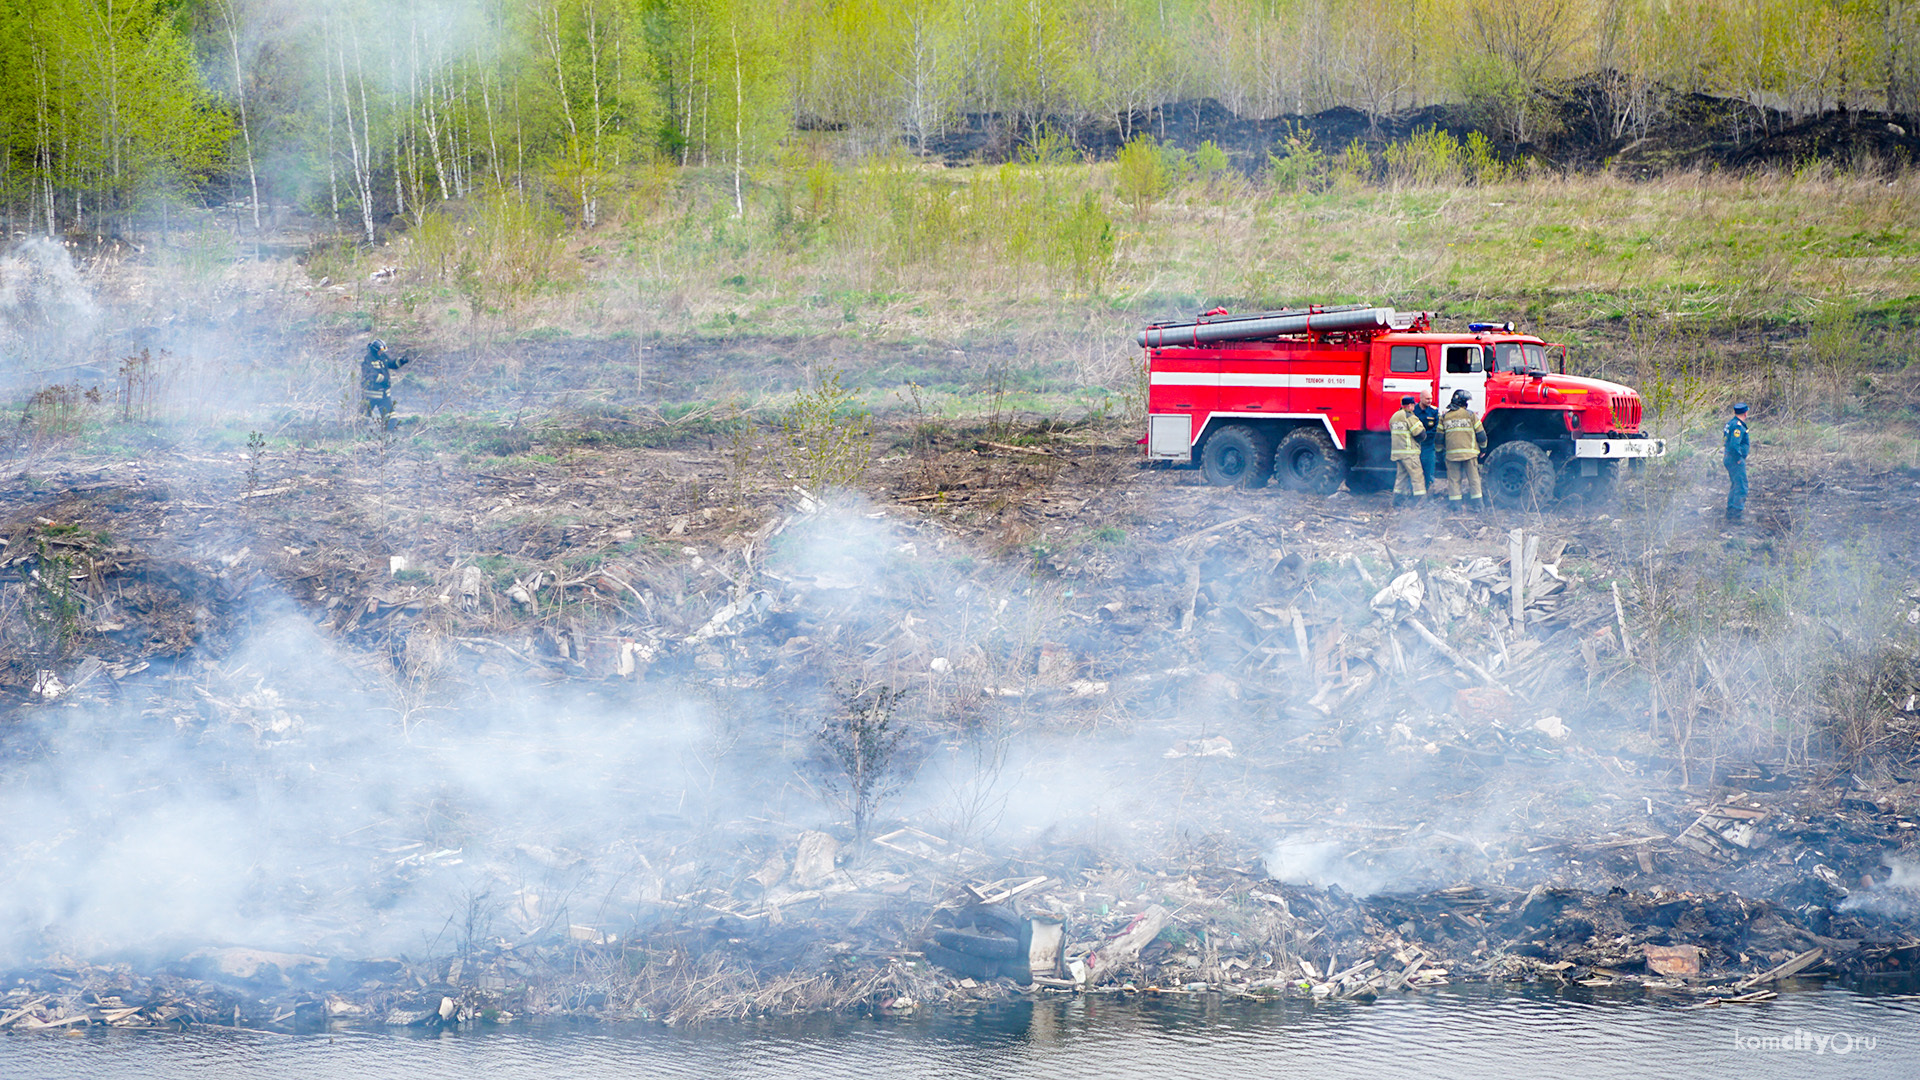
[{"x": 1520, "y": 357}]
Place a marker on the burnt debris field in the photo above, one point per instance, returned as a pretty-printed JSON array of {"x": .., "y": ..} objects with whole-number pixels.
[
  {"x": 602, "y": 713},
  {"x": 762, "y": 603}
]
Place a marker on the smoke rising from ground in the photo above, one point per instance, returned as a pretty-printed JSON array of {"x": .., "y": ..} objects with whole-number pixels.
[
  {"x": 47, "y": 313},
  {"x": 338, "y": 818},
  {"x": 326, "y": 825}
]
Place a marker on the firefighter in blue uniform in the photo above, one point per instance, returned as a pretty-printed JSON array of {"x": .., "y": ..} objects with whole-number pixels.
[
  {"x": 1430, "y": 417},
  {"x": 1734, "y": 455}
]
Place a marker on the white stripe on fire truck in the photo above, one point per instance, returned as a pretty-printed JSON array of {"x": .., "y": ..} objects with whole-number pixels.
[
  {"x": 1403, "y": 386},
  {"x": 1253, "y": 378}
]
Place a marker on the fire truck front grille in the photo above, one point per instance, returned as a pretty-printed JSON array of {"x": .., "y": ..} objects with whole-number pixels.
[{"x": 1626, "y": 412}]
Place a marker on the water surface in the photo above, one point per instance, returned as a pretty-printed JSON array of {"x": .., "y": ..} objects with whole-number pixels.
[{"x": 1467, "y": 1033}]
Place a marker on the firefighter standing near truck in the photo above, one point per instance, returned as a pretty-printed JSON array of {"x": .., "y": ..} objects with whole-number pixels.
[
  {"x": 1430, "y": 417},
  {"x": 1407, "y": 429},
  {"x": 1465, "y": 437},
  {"x": 1734, "y": 456}
]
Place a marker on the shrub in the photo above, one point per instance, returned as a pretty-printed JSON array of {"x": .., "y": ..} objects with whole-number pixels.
[
  {"x": 1083, "y": 245},
  {"x": 867, "y": 747},
  {"x": 503, "y": 249},
  {"x": 1302, "y": 168},
  {"x": 1355, "y": 163},
  {"x": 1427, "y": 158},
  {"x": 1144, "y": 171},
  {"x": 1480, "y": 163},
  {"x": 829, "y": 443},
  {"x": 1210, "y": 163},
  {"x": 55, "y": 609}
]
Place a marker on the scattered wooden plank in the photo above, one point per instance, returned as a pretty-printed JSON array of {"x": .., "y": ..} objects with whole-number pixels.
[
  {"x": 1007, "y": 449},
  {"x": 1452, "y": 654},
  {"x": 1516, "y": 576},
  {"x": 48, "y": 1025},
  {"x": 265, "y": 492},
  {"x": 1737, "y": 999},
  {"x": 1211, "y": 529},
  {"x": 1792, "y": 967},
  {"x": 1619, "y": 613},
  {"x": 999, "y": 892},
  {"x": 24, "y": 1009}
]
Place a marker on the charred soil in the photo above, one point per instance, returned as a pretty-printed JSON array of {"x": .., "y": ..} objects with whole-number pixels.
[{"x": 1333, "y": 753}]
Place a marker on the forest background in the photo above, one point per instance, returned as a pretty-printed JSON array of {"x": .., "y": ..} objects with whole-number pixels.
[{"x": 117, "y": 110}]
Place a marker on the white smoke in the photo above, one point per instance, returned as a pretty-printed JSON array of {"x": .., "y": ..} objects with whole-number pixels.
[
  {"x": 1322, "y": 864},
  {"x": 47, "y": 313}
]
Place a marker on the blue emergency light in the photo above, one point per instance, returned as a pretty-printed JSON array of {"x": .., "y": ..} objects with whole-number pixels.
[{"x": 1483, "y": 327}]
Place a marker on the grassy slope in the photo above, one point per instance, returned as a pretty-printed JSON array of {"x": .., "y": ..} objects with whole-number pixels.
[
  {"x": 1797, "y": 291},
  {"x": 956, "y": 294}
]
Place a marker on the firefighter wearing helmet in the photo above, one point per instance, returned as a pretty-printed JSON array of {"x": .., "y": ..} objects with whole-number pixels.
[
  {"x": 1465, "y": 438},
  {"x": 376, "y": 380},
  {"x": 1407, "y": 430}
]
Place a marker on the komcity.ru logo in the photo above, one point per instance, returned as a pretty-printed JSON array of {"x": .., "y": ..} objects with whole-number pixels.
[{"x": 1802, "y": 1041}]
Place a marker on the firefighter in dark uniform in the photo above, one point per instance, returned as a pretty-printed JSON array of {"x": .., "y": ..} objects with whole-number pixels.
[
  {"x": 376, "y": 380},
  {"x": 1430, "y": 417},
  {"x": 1734, "y": 456}
]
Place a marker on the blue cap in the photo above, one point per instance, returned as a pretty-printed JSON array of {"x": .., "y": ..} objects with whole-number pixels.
[{"x": 1739, "y": 406}]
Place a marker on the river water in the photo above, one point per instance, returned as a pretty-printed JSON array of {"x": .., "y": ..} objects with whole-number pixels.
[{"x": 1469, "y": 1033}]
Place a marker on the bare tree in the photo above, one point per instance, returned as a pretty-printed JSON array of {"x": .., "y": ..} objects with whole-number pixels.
[
  {"x": 1519, "y": 44},
  {"x": 231, "y": 17}
]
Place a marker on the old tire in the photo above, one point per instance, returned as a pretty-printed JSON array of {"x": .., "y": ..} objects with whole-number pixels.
[
  {"x": 1518, "y": 475},
  {"x": 1306, "y": 461},
  {"x": 1237, "y": 456}
]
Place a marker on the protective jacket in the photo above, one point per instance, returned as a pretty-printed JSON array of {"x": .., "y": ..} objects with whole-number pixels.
[
  {"x": 375, "y": 379},
  {"x": 1464, "y": 434},
  {"x": 1407, "y": 430},
  {"x": 1735, "y": 438}
]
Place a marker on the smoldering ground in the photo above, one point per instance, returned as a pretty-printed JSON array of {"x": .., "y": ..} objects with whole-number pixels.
[
  {"x": 335, "y": 800},
  {"x": 322, "y": 813},
  {"x": 324, "y": 825}
]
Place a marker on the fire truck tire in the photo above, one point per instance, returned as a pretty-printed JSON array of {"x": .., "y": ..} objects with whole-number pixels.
[
  {"x": 1305, "y": 460},
  {"x": 1518, "y": 474},
  {"x": 1237, "y": 456}
]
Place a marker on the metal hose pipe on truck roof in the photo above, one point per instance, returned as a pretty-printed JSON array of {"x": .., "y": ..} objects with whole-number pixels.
[{"x": 1271, "y": 324}]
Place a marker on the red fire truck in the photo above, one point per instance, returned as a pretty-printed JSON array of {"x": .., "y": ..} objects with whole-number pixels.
[{"x": 1304, "y": 396}]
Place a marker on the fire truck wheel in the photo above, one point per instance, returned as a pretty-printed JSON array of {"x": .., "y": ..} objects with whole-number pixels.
[
  {"x": 1237, "y": 456},
  {"x": 1519, "y": 474},
  {"x": 1305, "y": 460}
]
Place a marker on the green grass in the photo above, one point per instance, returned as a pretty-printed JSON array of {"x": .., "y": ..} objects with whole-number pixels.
[{"x": 1794, "y": 289}]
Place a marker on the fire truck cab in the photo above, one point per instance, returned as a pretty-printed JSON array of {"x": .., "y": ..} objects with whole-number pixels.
[{"x": 1304, "y": 396}]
